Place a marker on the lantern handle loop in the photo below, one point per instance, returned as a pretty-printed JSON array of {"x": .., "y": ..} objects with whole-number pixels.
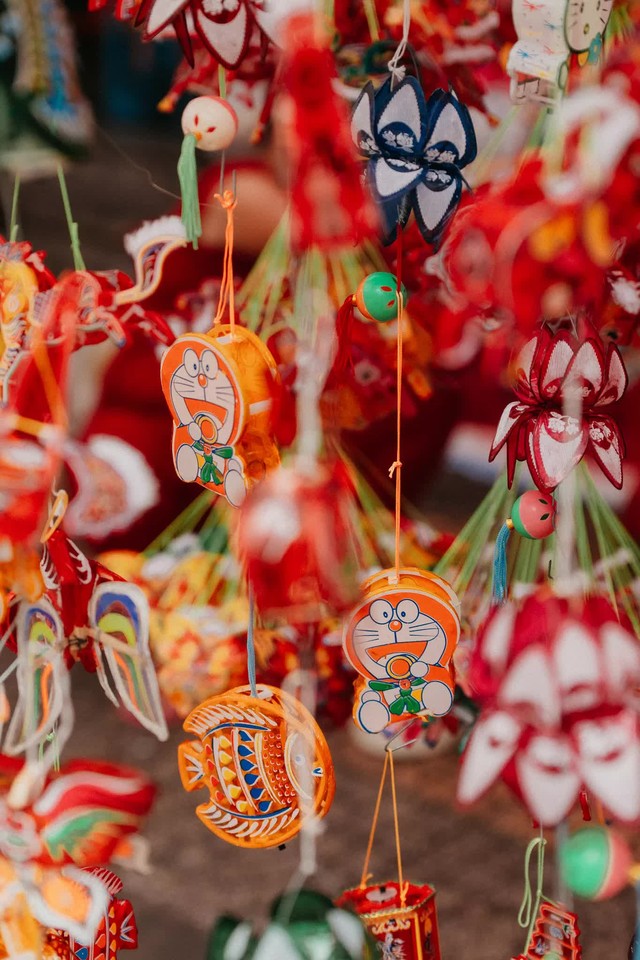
[
  {"x": 530, "y": 904},
  {"x": 227, "y": 200}
]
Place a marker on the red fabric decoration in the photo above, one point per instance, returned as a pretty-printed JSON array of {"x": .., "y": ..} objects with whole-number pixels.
[{"x": 330, "y": 207}]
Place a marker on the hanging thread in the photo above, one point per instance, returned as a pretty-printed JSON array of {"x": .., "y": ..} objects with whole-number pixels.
[
  {"x": 227, "y": 200},
  {"x": 376, "y": 813},
  {"x": 366, "y": 876},
  {"x": 396, "y": 826},
  {"x": 396, "y": 467},
  {"x": 222, "y": 81},
  {"x": 394, "y": 66},
  {"x": 78, "y": 262},
  {"x": 251, "y": 648},
  {"x": 372, "y": 20}
]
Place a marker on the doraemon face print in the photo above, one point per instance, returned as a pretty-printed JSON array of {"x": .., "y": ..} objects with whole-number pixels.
[
  {"x": 401, "y": 639},
  {"x": 391, "y": 633},
  {"x": 394, "y": 634},
  {"x": 200, "y": 385}
]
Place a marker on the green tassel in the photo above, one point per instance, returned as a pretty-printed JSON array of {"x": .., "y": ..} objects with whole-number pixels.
[{"x": 188, "y": 176}]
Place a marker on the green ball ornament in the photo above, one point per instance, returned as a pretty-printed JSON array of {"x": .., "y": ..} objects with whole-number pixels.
[
  {"x": 377, "y": 297},
  {"x": 595, "y": 863}
]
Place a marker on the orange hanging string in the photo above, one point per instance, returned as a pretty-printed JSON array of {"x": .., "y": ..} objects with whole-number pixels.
[
  {"x": 402, "y": 886},
  {"x": 396, "y": 467},
  {"x": 376, "y": 813},
  {"x": 227, "y": 201},
  {"x": 51, "y": 386}
]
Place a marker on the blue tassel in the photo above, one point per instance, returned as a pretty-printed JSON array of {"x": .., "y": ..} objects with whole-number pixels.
[{"x": 500, "y": 563}]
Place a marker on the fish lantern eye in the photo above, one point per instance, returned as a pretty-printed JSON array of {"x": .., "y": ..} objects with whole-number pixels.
[
  {"x": 408, "y": 611},
  {"x": 381, "y": 612},
  {"x": 534, "y": 514},
  {"x": 377, "y": 297}
]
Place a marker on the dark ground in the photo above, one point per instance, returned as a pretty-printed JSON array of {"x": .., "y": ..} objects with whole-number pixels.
[{"x": 473, "y": 859}]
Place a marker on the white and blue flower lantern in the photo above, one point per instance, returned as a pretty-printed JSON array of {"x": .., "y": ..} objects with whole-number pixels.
[{"x": 416, "y": 149}]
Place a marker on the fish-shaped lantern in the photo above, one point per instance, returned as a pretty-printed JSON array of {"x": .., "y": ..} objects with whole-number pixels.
[{"x": 264, "y": 761}]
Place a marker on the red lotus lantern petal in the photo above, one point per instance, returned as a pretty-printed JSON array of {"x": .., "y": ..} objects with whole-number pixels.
[
  {"x": 537, "y": 428},
  {"x": 557, "y": 679}
]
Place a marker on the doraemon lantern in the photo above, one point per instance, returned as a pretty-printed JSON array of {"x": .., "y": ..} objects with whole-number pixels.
[
  {"x": 220, "y": 387},
  {"x": 401, "y": 639}
]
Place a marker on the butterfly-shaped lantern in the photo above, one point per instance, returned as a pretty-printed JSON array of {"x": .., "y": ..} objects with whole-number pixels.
[
  {"x": 86, "y": 614},
  {"x": 416, "y": 149}
]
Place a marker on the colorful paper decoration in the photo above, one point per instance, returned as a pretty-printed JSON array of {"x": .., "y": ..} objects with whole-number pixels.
[
  {"x": 90, "y": 615},
  {"x": 556, "y": 934},
  {"x": 585, "y": 23},
  {"x": 405, "y": 930},
  {"x": 401, "y": 639},
  {"x": 262, "y": 758},
  {"x": 220, "y": 388},
  {"x": 548, "y": 33},
  {"x": 149, "y": 247},
  {"x": 330, "y": 207},
  {"x": 23, "y": 274},
  {"x": 415, "y": 150},
  {"x": 116, "y": 930},
  {"x": 46, "y": 97},
  {"x": 538, "y": 61},
  {"x": 77, "y": 820},
  {"x": 555, "y": 678},
  {"x": 209, "y": 124},
  {"x": 533, "y": 517},
  {"x": 536, "y": 428}
]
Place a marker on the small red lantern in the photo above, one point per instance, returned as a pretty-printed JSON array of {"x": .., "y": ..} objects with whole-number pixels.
[{"x": 405, "y": 926}]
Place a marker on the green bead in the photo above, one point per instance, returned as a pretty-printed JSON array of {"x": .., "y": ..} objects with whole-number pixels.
[
  {"x": 377, "y": 297},
  {"x": 584, "y": 861}
]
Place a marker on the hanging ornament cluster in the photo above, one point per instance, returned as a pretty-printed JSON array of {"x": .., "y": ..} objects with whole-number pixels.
[
  {"x": 424, "y": 244},
  {"x": 51, "y": 857}
]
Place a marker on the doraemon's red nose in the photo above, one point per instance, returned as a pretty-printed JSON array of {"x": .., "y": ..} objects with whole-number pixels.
[
  {"x": 202, "y": 380},
  {"x": 395, "y": 625}
]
